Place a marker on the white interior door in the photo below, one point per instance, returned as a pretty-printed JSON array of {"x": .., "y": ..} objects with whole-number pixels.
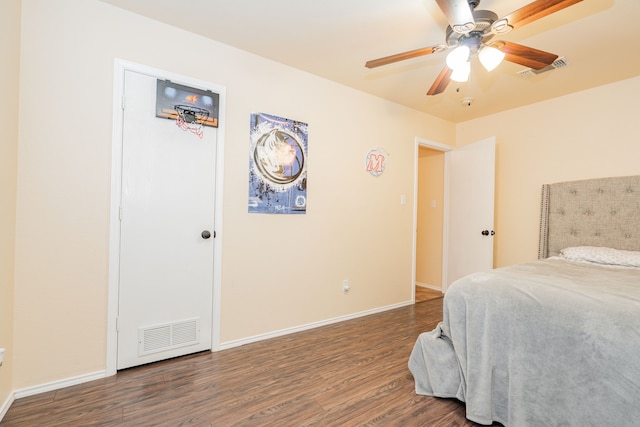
[
  {"x": 471, "y": 209},
  {"x": 165, "y": 292}
]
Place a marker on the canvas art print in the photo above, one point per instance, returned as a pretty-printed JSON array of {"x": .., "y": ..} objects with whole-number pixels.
[{"x": 277, "y": 165}]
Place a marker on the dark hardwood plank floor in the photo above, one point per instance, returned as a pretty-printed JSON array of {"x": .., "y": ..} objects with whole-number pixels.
[
  {"x": 352, "y": 373},
  {"x": 426, "y": 294}
]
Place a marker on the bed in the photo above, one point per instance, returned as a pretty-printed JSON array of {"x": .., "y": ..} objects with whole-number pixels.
[{"x": 556, "y": 341}]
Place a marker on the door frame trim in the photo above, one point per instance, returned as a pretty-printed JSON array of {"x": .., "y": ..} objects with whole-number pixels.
[
  {"x": 120, "y": 66},
  {"x": 445, "y": 148}
]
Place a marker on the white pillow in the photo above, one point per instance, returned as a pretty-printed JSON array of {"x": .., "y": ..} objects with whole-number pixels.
[{"x": 600, "y": 255}]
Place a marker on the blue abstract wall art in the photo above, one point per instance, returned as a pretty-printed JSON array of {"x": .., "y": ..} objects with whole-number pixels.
[{"x": 277, "y": 165}]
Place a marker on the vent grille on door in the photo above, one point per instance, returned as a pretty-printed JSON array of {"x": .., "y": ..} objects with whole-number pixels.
[{"x": 165, "y": 337}]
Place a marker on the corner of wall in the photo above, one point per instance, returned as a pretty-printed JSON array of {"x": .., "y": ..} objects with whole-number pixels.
[{"x": 10, "y": 61}]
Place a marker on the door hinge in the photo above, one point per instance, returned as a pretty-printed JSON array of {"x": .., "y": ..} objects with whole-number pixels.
[
  {"x": 117, "y": 324},
  {"x": 123, "y": 101},
  {"x": 120, "y": 213}
]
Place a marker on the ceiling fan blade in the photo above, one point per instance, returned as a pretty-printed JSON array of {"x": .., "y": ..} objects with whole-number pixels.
[
  {"x": 441, "y": 82},
  {"x": 459, "y": 15},
  {"x": 524, "y": 55},
  {"x": 532, "y": 12},
  {"x": 405, "y": 55}
]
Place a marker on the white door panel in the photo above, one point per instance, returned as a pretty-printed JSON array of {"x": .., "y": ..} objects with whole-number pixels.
[
  {"x": 471, "y": 209},
  {"x": 166, "y": 266}
]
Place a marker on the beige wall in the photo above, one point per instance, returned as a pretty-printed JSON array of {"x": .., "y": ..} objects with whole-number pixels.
[
  {"x": 10, "y": 65},
  {"x": 355, "y": 227},
  {"x": 585, "y": 135},
  {"x": 430, "y": 219},
  {"x": 278, "y": 271}
]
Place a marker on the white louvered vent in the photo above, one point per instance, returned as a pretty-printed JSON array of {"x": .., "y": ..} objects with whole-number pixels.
[
  {"x": 165, "y": 337},
  {"x": 530, "y": 72}
]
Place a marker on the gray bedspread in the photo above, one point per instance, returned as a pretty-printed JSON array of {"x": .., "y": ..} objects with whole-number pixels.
[{"x": 548, "y": 343}]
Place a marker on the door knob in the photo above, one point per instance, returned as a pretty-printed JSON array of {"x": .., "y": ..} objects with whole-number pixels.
[{"x": 205, "y": 234}]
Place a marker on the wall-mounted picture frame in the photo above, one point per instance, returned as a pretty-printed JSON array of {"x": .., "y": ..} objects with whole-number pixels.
[{"x": 277, "y": 165}]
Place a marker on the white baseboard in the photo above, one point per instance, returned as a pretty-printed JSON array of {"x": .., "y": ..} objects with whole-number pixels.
[
  {"x": 432, "y": 287},
  {"x": 42, "y": 388},
  {"x": 262, "y": 337},
  {"x": 6, "y": 405},
  {"x": 55, "y": 385}
]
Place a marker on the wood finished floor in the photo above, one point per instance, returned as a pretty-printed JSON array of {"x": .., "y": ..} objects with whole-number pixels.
[
  {"x": 426, "y": 294},
  {"x": 352, "y": 373}
]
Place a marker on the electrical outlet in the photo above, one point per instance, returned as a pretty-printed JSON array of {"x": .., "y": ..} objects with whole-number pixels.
[{"x": 345, "y": 285}]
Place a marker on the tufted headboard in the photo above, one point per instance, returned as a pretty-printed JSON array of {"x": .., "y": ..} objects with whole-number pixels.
[{"x": 593, "y": 212}]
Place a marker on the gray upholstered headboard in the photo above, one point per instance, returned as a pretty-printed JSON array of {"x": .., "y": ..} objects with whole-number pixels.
[{"x": 593, "y": 212}]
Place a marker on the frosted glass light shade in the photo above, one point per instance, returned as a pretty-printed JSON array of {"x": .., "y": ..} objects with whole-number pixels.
[
  {"x": 458, "y": 57},
  {"x": 490, "y": 57},
  {"x": 461, "y": 73}
]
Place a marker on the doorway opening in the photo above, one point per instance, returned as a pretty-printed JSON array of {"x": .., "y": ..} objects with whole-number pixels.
[
  {"x": 430, "y": 219},
  {"x": 430, "y": 231},
  {"x": 468, "y": 181}
]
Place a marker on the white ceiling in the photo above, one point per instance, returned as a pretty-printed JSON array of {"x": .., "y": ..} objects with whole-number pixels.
[{"x": 334, "y": 38}]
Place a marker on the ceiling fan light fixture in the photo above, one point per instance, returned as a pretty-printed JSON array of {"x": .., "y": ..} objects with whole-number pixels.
[
  {"x": 469, "y": 33},
  {"x": 490, "y": 57},
  {"x": 461, "y": 73},
  {"x": 458, "y": 57}
]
